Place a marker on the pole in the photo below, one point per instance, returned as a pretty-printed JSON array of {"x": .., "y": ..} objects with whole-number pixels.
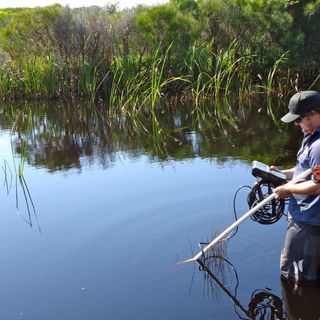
[{"x": 245, "y": 216}]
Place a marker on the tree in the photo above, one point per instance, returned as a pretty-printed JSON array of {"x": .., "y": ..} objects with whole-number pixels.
[
  {"x": 161, "y": 26},
  {"x": 185, "y": 5},
  {"x": 262, "y": 27},
  {"x": 28, "y": 32},
  {"x": 306, "y": 19}
]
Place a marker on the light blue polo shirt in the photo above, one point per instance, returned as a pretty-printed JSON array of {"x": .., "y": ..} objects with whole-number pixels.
[{"x": 302, "y": 208}]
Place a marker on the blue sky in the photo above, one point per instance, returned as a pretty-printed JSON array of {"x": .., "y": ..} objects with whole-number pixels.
[{"x": 76, "y": 3}]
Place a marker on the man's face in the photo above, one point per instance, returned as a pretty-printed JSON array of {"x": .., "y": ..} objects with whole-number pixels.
[{"x": 308, "y": 123}]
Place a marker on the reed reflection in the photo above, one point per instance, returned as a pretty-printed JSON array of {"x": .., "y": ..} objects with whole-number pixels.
[
  {"x": 298, "y": 302},
  {"x": 15, "y": 179}
]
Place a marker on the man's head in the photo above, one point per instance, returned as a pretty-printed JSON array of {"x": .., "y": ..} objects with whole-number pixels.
[{"x": 302, "y": 104}]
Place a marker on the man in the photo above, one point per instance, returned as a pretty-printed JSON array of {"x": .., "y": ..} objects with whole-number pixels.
[{"x": 300, "y": 257}]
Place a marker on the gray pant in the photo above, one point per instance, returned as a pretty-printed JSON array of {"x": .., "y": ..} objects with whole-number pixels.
[{"x": 300, "y": 257}]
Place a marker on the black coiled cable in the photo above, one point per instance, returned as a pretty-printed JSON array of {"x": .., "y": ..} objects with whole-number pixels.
[{"x": 270, "y": 212}]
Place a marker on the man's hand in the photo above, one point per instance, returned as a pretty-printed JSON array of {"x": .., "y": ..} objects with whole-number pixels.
[
  {"x": 287, "y": 172},
  {"x": 282, "y": 192},
  {"x": 274, "y": 168}
]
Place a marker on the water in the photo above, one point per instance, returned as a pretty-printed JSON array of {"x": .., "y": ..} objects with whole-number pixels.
[{"x": 114, "y": 209}]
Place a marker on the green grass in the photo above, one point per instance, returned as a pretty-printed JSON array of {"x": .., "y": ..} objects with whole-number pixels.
[{"x": 131, "y": 85}]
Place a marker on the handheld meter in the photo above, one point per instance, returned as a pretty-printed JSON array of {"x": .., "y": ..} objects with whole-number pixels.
[{"x": 267, "y": 175}]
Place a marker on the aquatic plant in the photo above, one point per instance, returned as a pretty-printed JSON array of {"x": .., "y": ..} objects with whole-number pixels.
[{"x": 272, "y": 73}]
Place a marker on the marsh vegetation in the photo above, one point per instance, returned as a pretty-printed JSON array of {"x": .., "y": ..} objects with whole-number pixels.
[{"x": 199, "y": 50}]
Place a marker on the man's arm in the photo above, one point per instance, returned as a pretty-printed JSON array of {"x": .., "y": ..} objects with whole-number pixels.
[{"x": 307, "y": 188}]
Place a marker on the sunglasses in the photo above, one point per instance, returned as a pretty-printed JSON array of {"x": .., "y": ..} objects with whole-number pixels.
[{"x": 298, "y": 120}]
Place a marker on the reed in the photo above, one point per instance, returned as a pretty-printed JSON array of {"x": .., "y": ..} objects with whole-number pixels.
[
  {"x": 125, "y": 93},
  {"x": 157, "y": 72},
  {"x": 5, "y": 83},
  {"x": 132, "y": 84},
  {"x": 198, "y": 67},
  {"x": 231, "y": 68},
  {"x": 272, "y": 73},
  {"x": 50, "y": 77},
  {"x": 140, "y": 85},
  {"x": 96, "y": 84},
  {"x": 30, "y": 79},
  {"x": 228, "y": 74},
  {"x": 115, "y": 87}
]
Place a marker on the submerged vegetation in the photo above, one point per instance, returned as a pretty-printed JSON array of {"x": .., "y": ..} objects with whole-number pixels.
[{"x": 132, "y": 58}]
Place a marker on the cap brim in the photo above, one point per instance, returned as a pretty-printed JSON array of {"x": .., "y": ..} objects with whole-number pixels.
[{"x": 289, "y": 117}]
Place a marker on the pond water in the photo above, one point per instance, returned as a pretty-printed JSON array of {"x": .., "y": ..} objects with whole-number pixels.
[{"x": 107, "y": 206}]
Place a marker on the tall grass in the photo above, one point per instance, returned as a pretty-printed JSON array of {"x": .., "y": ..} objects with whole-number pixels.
[
  {"x": 51, "y": 77},
  {"x": 140, "y": 85},
  {"x": 128, "y": 86},
  {"x": 30, "y": 79},
  {"x": 133, "y": 84},
  {"x": 227, "y": 74},
  {"x": 47, "y": 78},
  {"x": 272, "y": 72}
]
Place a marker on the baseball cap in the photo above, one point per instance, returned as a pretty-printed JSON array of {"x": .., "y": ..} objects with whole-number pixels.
[{"x": 302, "y": 103}]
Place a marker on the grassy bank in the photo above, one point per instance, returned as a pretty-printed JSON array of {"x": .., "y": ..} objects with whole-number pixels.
[{"x": 197, "y": 50}]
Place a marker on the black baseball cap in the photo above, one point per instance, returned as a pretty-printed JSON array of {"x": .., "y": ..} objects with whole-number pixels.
[{"x": 302, "y": 103}]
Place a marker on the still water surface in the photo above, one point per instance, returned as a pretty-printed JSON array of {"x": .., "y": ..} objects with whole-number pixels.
[{"x": 105, "y": 210}]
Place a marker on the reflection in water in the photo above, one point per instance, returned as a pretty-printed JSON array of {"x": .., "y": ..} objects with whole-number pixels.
[
  {"x": 73, "y": 136},
  {"x": 21, "y": 187},
  {"x": 263, "y": 304},
  {"x": 301, "y": 302},
  {"x": 28, "y": 201},
  {"x": 266, "y": 305},
  {"x": 213, "y": 281},
  {"x": 298, "y": 302},
  {"x": 65, "y": 136},
  {"x": 7, "y": 174}
]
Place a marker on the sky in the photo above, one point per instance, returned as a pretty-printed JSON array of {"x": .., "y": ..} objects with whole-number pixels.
[{"x": 77, "y": 3}]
